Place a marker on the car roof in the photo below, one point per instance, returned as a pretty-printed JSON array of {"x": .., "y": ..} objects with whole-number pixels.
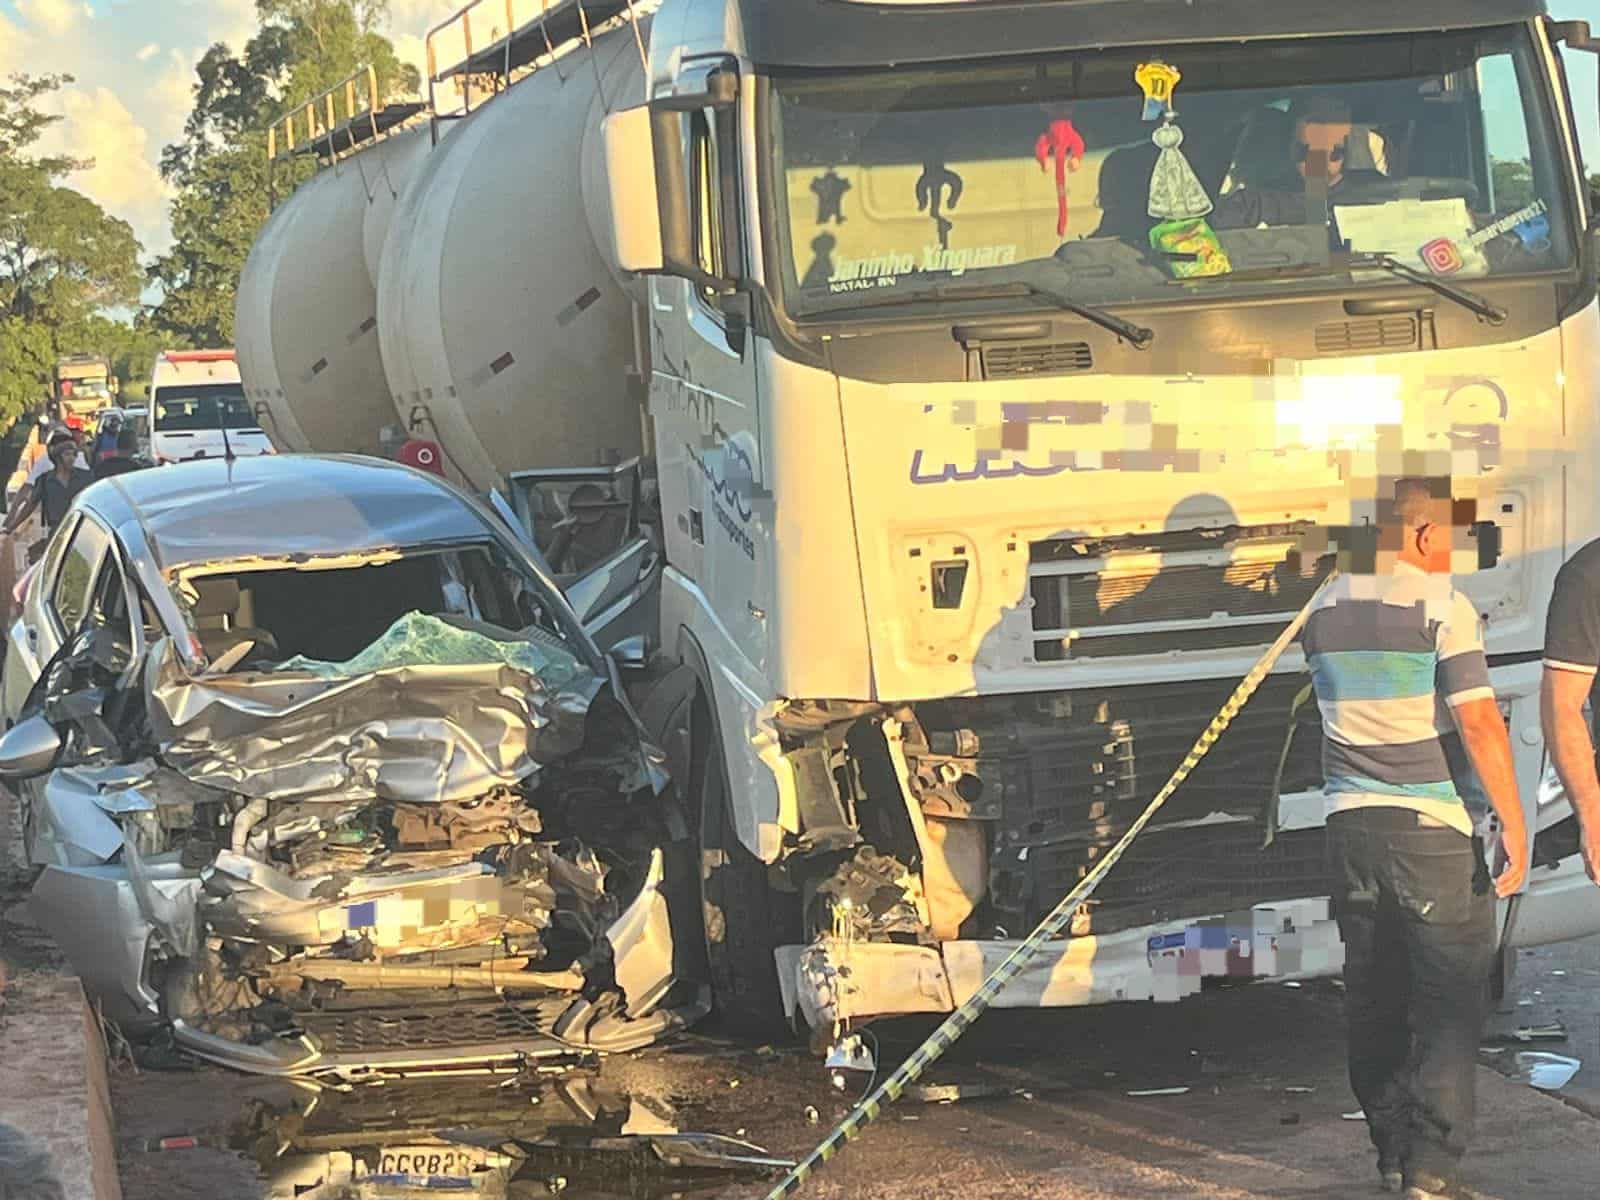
[{"x": 279, "y": 505}]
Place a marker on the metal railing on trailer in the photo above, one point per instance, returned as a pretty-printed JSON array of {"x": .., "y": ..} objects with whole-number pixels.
[
  {"x": 330, "y": 129},
  {"x": 538, "y": 40}
]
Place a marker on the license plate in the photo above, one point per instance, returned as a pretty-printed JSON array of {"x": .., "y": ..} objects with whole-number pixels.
[{"x": 433, "y": 1161}]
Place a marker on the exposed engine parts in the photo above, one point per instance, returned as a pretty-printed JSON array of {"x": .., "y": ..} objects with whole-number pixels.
[
  {"x": 997, "y": 806},
  {"x": 871, "y": 897}
]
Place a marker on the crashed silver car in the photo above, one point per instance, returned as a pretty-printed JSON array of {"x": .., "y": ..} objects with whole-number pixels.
[{"x": 321, "y": 773}]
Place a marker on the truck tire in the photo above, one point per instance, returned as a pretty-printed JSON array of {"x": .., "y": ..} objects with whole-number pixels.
[
  {"x": 743, "y": 919},
  {"x": 746, "y": 919}
]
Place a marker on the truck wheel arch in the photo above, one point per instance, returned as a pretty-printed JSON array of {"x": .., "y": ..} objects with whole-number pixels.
[{"x": 743, "y": 919}]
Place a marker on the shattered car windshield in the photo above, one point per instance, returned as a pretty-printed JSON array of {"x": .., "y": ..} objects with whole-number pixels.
[
  {"x": 396, "y": 608},
  {"x": 1139, "y": 175}
]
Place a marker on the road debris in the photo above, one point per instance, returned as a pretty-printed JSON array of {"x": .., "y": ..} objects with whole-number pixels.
[
  {"x": 1553, "y": 1032},
  {"x": 851, "y": 1054},
  {"x": 951, "y": 1093},
  {"x": 1547, "y": 1072},
  {"x": 1167, "y": 1091}
]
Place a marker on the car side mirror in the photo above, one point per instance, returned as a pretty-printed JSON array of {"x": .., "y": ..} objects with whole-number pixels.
[
  {"x": 631, "y": 654},
  {"x": 28, "y": 749}
]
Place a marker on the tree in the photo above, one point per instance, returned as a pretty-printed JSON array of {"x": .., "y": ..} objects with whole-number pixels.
[
  {"x": 219, "y": 168},
  {"x": 62, "y": 258},
  {"x": 1514, "y": 188}
]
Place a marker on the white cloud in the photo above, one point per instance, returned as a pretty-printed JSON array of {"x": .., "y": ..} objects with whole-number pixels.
[
  {"x": 13, "y": 50},
  {"x": 409, "y": 48},
  {"x": 124, "y": 179},
  {"x": 54, "y": 18},
  {"x": 133, "y": 61},
  {"x": 410, "y": 20}
]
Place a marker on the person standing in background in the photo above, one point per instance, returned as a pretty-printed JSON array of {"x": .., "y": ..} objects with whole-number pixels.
[
  {"x": 122, "y": 457},
  {"x": 54, "y": 492},
  {"x": 1571, "y": 662}
]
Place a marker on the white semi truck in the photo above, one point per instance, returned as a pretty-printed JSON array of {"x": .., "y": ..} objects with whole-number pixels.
[{"x": 1008, "y": 374}]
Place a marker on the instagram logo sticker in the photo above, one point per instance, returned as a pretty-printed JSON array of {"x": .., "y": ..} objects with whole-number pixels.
[{"x": 1442, "y": 257}]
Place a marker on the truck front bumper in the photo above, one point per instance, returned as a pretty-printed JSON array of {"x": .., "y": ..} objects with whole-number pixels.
[{"x": 835, "y": 980}]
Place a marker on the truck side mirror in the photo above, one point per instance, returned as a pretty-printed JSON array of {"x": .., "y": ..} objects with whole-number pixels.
[
  {"x": 647, "y": 180},
  {"x": 636, "y": 200},
  {"x": 631, "y": 654},
  {"x": 647, "y": 175},
  {"x": 1577, "y": 35}
]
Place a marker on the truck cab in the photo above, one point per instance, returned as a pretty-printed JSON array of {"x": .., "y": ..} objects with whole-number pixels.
[
  {"x": 1017, "y": 374},
  {"x": 197, "y": 409},
  {"x": 965, "y": 395}
]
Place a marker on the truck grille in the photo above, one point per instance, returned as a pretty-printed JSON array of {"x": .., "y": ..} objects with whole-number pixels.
[
  {"x": 1363, "y": 337},
  {"x": 1184, "y": 873},
  {"x": 1089, "y": 605},
  {"x": 1063, "y": 790},
  {"x": 1036, "y": 358}
]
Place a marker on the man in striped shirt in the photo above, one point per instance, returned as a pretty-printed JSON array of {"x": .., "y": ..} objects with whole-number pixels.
[{"x": 1396, "y": 656}]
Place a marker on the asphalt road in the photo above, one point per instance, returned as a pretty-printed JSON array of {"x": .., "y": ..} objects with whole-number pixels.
[
  {"x": 1262, "y": 1116},
  {"x": 1560, "y": 985}
]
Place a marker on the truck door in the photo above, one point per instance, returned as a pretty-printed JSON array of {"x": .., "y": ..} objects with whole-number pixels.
[
  {"x": 704, "y": 397},
  {"x": 586, "y": 527}
]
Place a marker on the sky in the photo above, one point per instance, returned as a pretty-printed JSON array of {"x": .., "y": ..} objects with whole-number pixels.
[
  {"x": 134, "y": 65},
  {"x": 133, "y": 61}
]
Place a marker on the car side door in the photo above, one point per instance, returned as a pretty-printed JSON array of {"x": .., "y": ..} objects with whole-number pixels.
[
  {"x": 586, "y": 526},
  {"x": 54, "y": 604}
]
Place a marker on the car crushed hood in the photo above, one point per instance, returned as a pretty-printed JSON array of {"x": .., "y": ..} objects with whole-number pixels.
[
  {"x": 435, "y": 712},
  {"x": 458, "y": 815}
]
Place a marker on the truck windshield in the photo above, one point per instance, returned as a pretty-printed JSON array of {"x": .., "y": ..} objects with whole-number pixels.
[
  {"x": 1296, "y": 159},
  {"x": 186, "y": 408}
]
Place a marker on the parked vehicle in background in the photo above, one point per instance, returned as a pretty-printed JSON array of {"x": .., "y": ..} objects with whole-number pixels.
[
  {"x": 108, "y": 426},
  {"x": 322, "y": 772},
  {"x": 83, "y": 385},
  {"x": 197, "y": 409}
]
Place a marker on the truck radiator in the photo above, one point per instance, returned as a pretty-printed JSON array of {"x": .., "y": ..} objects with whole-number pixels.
[{"x": 1060, "y": 789}]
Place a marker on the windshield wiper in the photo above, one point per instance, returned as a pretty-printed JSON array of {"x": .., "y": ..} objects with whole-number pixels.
[
  {"x": 1485, "y": 310},
  {"x": 1137, "y": 335}
]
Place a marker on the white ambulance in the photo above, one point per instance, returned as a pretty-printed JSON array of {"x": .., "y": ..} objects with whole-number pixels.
[{"x": 198, "y": 409}]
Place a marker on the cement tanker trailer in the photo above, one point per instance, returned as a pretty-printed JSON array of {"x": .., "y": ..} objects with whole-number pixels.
[
  {"x": 506, "y": 330},
  {"x": 306, "y": 319},
  {"x": 463, "y": 290}
]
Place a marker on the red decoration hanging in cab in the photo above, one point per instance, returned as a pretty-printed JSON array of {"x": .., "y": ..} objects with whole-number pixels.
[{"x": 1064, "y": 144}]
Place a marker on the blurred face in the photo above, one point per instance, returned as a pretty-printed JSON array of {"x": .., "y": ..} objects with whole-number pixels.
[
  {"x": 1321, "y": 146},
  {"x": 1426, "y": 545},
  {"x": 63, "y": 453}
]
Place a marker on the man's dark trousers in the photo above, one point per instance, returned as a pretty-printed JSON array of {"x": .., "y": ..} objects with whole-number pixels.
[{"x": 1416, "y": 911}]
